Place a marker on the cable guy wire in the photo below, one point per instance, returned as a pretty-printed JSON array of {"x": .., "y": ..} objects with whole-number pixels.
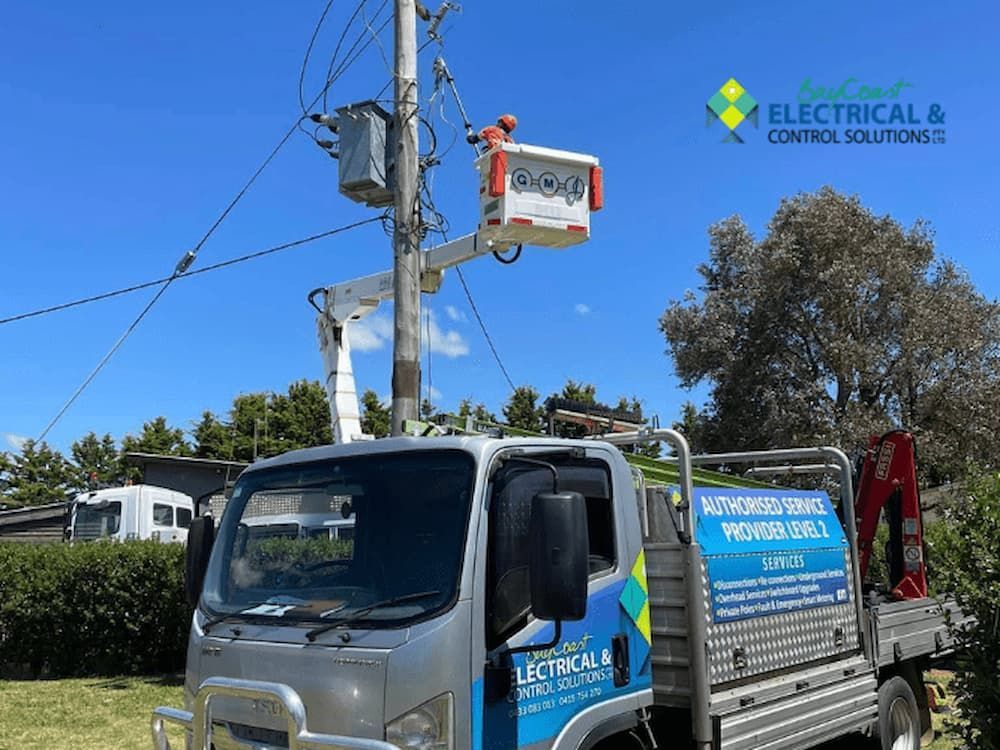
[
  {"x": 197, "y": 271},
  {"x": 159, "y": 293}
]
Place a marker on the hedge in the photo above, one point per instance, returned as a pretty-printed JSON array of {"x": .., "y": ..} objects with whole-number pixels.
[{"x": 92, "y": 609}]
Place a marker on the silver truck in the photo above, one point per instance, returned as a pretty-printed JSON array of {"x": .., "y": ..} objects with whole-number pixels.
[{"x": 535, "y": 593}]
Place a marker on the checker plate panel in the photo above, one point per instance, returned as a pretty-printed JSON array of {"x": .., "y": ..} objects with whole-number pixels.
[{"x": 776, "y": 642}]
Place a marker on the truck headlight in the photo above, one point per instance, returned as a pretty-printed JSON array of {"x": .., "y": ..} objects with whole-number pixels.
[{"x": 427, "y": 727}]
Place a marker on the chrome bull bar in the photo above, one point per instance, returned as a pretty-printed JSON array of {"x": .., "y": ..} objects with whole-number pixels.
[{"x": 199, "y": 721}]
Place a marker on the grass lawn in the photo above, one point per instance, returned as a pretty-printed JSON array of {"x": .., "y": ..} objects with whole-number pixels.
[
  {"x": 113, "y": 714},
  {"x": 942, "y": 741},
  {"x": 83, "y": 714}
]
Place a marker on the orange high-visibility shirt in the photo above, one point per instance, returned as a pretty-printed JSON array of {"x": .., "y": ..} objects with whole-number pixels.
[{"x": 494, "y": 135}]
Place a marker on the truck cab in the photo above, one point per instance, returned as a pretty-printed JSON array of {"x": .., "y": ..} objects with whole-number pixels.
[
  {"x": 403, "y": 632},
  {"x": 526, "y": 592},
  {"x": 138, "y": 511}
]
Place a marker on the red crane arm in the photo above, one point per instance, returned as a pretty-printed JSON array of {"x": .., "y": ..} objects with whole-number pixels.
[{"x": 889, "y": 480}]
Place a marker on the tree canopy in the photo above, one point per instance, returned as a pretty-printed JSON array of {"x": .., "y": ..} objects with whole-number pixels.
[
  {"x": 38, "y": 475},
  {"x": 522, "y": 410},
  {"x": 263, "y": 424},
  {"x": 375, "y": 416},
  {"x": 97, "y": 461},
  {"x": 157, "y": 437},
  {"x": 836, "y": 324}
]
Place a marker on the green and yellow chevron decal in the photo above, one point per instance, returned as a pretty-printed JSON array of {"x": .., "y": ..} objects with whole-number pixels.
[{"x": 635, "y": 597}]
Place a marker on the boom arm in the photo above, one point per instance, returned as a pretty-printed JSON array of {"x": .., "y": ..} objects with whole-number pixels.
[
  {"x": 889, "y": 480},
  {"x": 353, "y": 300}
]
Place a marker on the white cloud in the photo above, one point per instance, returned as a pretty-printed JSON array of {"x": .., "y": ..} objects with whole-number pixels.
[
  {"x": 370, "y": 334},
  {"x": 455, "y": 314},
  {"x": 375, "y": 332},
  {"x": 581, "y": 309},
  {"x": 14, "y": 441},
  {"x": 449, "y": 343},
  {"x": 436, "y": 395}
]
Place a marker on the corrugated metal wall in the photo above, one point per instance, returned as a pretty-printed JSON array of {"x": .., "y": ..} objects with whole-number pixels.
[{"x": 39, "y": 525}]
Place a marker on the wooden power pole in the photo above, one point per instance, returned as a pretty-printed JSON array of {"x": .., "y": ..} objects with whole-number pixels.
[{"x": 406, "y": 231}]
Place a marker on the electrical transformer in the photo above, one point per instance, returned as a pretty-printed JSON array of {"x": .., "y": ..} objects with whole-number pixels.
[{"x": 367, "y": 153}]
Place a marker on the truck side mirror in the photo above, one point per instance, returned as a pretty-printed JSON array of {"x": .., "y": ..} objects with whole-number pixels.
[
  {"x": 201, "y": 535},
  {"x": 559, "y": 556}
]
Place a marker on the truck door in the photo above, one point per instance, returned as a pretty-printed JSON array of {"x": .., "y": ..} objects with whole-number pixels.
[
  {"x": 160, "y": 519},
  {"x": 600, "y": 662}
]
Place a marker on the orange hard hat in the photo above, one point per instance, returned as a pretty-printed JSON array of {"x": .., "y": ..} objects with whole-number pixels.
[{"x": 507, "y": 122}]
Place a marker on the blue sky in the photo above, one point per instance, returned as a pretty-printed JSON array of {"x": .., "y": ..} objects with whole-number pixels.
[{"x": 126, "y": 129}]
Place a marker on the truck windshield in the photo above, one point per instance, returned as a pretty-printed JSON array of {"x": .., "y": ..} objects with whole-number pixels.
[
  {"x": 325, "y": 540},
  {"x": 97, "y": 521}
]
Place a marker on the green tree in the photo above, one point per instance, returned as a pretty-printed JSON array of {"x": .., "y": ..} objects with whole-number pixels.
[
  {"x": 691, "y": 425},
  {"x": 6, "y": 466},
  {"x": 482, "y": 414},
  {"x": 39, "y": 475},
  {"x": 427, "y": 409},
  {"x": 250, "y": 424},
  {"x": 968, "y": 552},
  {"x": 522, "y": 410},
  {"x": 213, "y": 438},
  {"x": 375, "y": 418},
  {"x": 157, "y": 437},
  {"x": 300, "y": 418},
  {"x": 633, "y": 406},
  {"x": 478, "y": 412},
  {"x": 837, "y": 324},
  {"x": 264, "y": 424},
  {"x": 583, "y": 393},
  {"x": 97, "y": 461}
]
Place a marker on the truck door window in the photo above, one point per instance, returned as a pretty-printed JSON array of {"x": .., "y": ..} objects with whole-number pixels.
[
  {"x": 183, "y": 518},
  {"x": 508, "y": 597},
  {"x": 163, "y": 515}
]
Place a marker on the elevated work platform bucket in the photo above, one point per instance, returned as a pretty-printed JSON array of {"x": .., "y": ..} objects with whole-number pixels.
[{"x": 537, "y": 196}]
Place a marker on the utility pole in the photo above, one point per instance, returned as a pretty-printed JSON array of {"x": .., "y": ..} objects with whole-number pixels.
[{"x": 406, "y": 231}]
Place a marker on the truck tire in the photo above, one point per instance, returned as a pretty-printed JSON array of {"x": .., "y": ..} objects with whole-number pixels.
[{"x": 898, "y": 716}]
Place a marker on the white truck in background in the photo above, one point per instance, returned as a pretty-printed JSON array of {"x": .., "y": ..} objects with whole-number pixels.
[{"x": 139, "y": 511}]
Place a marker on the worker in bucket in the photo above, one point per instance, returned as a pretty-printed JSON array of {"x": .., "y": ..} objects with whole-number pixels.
[{"x": 494, "y": 135}]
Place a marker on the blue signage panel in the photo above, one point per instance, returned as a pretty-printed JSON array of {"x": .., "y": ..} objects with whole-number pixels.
[
  {"x": 773, "y": 583},
  {"x": 744, "y": 521},
  {"x": 770, "y": 551}
]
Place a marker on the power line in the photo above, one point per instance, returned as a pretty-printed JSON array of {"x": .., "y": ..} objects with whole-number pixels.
[
  {"x": 105, "y": 359},
  {"x": 195, "y": 272},
  {"x": 188, "y": 258},
  {"x": 430, "y": 382},
  {"x": 149, "y": 306},
  {"x": 427, "y": 201},
  {"x": 309, "y": 47},
  {"x": 482, "y": 325},
  {"x": 330, "y": 80},
  {"x": 340, "y": 41}
]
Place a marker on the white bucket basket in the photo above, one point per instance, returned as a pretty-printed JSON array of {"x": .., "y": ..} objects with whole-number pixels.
[{"x": 537, "y": 196}]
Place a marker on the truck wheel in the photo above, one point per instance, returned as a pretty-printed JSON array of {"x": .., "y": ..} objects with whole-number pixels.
[{"x": 898, "y": 717}]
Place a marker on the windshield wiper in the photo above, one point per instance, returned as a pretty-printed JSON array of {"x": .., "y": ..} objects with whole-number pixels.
[
  {"x": 364, "y": 611},
  {"x": 213, "y": 621}
]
